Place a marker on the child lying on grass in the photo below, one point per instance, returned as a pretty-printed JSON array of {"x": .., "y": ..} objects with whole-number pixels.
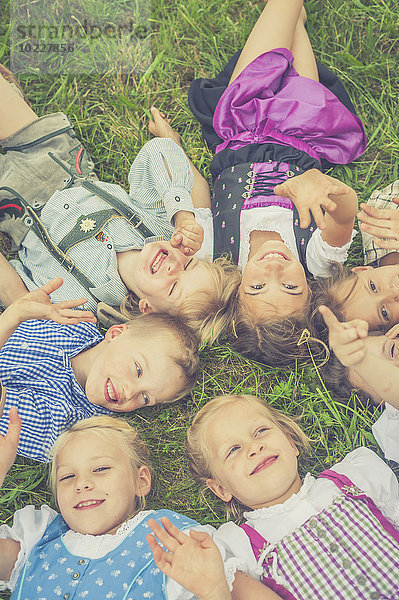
[
  {"x": 106, "y": 244},
  {"x": 369, "y": 363},
  {"x": 59, "y": 373}
]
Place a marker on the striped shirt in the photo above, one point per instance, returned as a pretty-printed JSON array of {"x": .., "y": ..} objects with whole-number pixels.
[
  {"x": 36, "y": 371},
  {"x": 160, "y": 182}
]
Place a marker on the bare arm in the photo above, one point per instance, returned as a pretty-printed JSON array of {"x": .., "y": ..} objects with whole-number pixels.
[
  {"x": 11, "y": 285},
  {"x": 312, "y": 192},
  {"x": 246, "y": 587},
  {"x": 8, "y": 448},
  {"x": 37, "y": 305}
]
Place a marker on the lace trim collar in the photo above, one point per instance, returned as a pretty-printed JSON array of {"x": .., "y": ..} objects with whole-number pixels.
[
  {"x": 124, "y": 529},
  {"x": 288, "y": 505}
]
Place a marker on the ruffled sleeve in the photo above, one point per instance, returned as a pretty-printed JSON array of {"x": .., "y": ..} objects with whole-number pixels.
[
  {"x": 372, "y": 475},
  {"x": 161, "y": 177},
  {"x": 386, "y": 432},
  {"x": 28, "y": 528},
  {"x": 319, "y": 254},
  {"x": 203, "y": 216}
]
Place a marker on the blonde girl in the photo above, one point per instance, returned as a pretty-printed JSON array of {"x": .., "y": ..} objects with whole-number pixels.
[
  {"x": 334, "y": 536},
  {"x": 95, "y": 546}
]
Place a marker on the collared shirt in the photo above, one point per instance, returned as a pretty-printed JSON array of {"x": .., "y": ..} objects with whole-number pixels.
[
  {"x": 36, "y": 371},
  {"x": 160, "y": 181}
]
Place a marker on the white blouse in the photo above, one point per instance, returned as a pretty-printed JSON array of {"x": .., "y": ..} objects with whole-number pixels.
[
  {"x": 365, "y": 469},
  {"x": 29, "y": 527},
  {"x": 319, "y": 254},
  {"x": 386, "y": 432}
]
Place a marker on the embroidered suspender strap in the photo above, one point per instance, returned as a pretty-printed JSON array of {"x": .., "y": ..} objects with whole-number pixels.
[
  {"x": 258, "y": 545},
  {"x": 32, "y": 220},
  {"x": 133, "y": 218},
  {"x": 87, "y": 226},
  {"x": 350, "y": 489}
]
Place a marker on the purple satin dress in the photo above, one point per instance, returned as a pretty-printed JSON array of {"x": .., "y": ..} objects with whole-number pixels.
[{"x": 270, "y": 102}]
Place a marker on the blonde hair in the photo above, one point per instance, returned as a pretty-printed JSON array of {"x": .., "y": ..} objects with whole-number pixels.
[
  {"x": 112, "y": 429},
  {"x": 200, "y": 459},
  {"x": 184, "y": 354},
  {"x": 208, "y": 314}
]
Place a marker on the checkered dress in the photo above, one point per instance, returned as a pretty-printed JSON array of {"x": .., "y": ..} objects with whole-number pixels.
[{"x": 36, "y": 371}]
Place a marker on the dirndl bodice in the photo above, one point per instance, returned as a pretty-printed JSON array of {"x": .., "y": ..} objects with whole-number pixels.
[{"x": 349, "y": 551}]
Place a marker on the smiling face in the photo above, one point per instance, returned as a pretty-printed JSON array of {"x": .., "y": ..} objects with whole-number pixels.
[
  {"x": 383, "y": 347},
  {"x": 375, "y": 296},
  {"x": 252, "y": 459},
  {"x": 164, "y": 277},
  {"x": 131, "y": 370},
  {"x": 96, "y": 487},
  {"x": 273, "y": 282}
]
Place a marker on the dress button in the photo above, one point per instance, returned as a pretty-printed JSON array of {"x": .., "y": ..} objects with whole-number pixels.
[
  {"x": 290, "y": 173},
  {"x": 312, "y": 523},
  {"x": 66, "y": 206},
  {"x": 320, "y": 532},
  {"x": 60, "y": 353},
  {"x": 75, "y": 575},
  {"x": 24, "y": 345},
  {"x": 361, "y": 579},
  {"x": 109, "y": 246},
  {"x": 177, "y": 198},
  {"x": 334, "y": 547},
  {"x": 375, "y": 595},
  {"x": 81, "y": 561},
  {"x": 346, "y": 563},
  {"x": 66, "y": 596}
]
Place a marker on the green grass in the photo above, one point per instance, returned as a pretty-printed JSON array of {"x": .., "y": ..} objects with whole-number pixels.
[{"x": 358, "y": 41}]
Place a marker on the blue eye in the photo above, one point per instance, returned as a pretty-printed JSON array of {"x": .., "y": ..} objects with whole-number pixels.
[
  {"x": 257, "y": 286},
  {"x": 101, "y": 469},
  {"x": 289, "y": 286},
  {"x": 373, "y": 287},
  {"x": 146, "y": 399},
  {"x": 232, "y": 450},
  {"x": 139, "y": 370},
  {"x": 384, "y": 313},
  {"x": 261, "y": 430}
]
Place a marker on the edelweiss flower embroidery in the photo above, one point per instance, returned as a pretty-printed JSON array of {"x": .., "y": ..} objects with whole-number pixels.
[{"x": 87, "y": 224}]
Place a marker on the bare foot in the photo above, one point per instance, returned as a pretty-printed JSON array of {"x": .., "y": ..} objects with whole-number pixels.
[{"x": 161, "y": 127}]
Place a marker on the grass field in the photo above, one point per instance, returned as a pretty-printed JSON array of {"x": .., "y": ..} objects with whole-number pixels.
[{"x": 358, "y": 41}]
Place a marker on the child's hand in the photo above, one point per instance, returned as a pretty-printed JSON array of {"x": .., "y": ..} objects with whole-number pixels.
[
  {"x": 310, "y": 192},
  {"x": 161, "y": 127},
  {"x": 37, "y": 305},
  {"x": 346, "y": 339},
  {"x": 9, "y": 443},
  {"x": 188, "y": 235},
  {"x": 192, "y": 560},
  {"x": 393, "y": 332},
  {"x": 382, "y": 223}
]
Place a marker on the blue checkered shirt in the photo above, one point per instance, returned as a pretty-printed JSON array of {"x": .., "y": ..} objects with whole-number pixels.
[{"x": 36, "y": 371}]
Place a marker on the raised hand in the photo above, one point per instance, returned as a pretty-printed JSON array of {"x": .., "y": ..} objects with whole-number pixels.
[
  {"x": 383, "y": 223},
  {"x": 346, "y": 339},
  {"x": 37, "y": 305},
  {"x": 310, "y": 192},
  {"x": 192, "y": 560},
  {"x": 9, "y": 443},
  {"x": 188, "y": 235}
]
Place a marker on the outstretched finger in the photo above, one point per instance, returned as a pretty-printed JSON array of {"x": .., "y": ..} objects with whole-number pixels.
[
  {"x": 376, "y": 213},
  {"x": 164, "y": 536},
  {"x": 161, "y": 557},
  {"x": 379, "y": 232},
  {"x": 387, "y": 244},
  {"x": 304, "y": 217},
  {"x": 319, "y": 217},
  {"x": 174, "y": 531},
  {"x": 329, "y": 318},
  {"x": 52, "y": 285}
]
